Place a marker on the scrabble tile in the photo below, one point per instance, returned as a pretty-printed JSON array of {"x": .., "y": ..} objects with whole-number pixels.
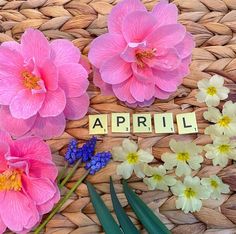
[
  {"x": 142, "y": 123},
  {"x": 120, "y": 122},
  {"x": 98, "y": 124},
  {"x": 187, "y": 123},
  {"x": 164, "y": 123}
]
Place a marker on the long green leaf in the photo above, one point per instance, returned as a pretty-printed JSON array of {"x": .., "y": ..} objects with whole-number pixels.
[
  {"x": 145, "y": 215},
  {"x": 125, "y": 223},
  {"x": 107, "y": 221}
]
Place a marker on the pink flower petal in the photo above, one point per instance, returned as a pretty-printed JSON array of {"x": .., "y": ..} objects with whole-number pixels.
[
  {"x": 2, "y": 226},
  {"x": 115, "y": 70},
  {"x": 49, "y": 75},
  {"x": 18, "y": 212},
  {"x": 54, "y": 103},
  {"x": 35, "y": 45},
  {"x": 166, "y": 84},
  {"x": 49, "y": 127},
  {"x": 25, "y": 104},
  {"x": 106, "y": 89},
  {"x": 64, "y": 51},
  {"x": 4, "y": 151},
  {"x": 137, "y": 25},
  {"x": 12, "y": 45},
  {"x": 40, "y": 190},
  {"x": 85, "y": 63},
  {"x": 122, "y": 91},
  {"x": 145, "y": 74},
  {"x": 73, "y": 79},
  {"x": 166, "y": 36},
  {"x": 161, "y": 94},
  {"x": 165, "y": 13},
  {"x": 120, "y": 11},
  {"x": 16, "y": 127},
  {"x": 141, "y": 91},
  {"x": 5, "y": 137},
  {"x": 105, "y": 47},
  {"x": 186, "y": 46},
  {"x": 77, "y": 107},
  {"x": 31, "y": 148}
]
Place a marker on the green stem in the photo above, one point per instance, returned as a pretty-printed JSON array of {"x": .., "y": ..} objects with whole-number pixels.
[
  {"x": 70, "y": 174},
  {"x": 61, "y": 203},
  {"x": 62, "y": 173}
]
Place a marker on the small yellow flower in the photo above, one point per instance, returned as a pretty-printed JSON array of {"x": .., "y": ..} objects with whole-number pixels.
[
  {"x": 215, "y": 185},
  {"x": 185, "y": 156},
  {"x": 158, "y": 178},
  {"x": 221, "y": 150},
  {"x": 189, "y": 194},
  {"x": 133, "y": 159},
  {"x": 212, "y": 91},
  {"x": 225, "y": 122}
]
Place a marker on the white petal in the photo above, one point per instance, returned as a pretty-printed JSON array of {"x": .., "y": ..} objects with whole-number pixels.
[
  {"x": 212, "y": 115},
  {"x": 191, "y": 181},
  {"x": 223, "y": 93},
  {"x": 169, "y": 160},
  {"x": 125, "y": 170},
  {"x": 212, "y": 100},
  {"x": 203, "y": 193},
  {"x": 162, "y": 186},
  {"x": 217, "y": 81},
  {"x": 169, "y": 180},
  {"x": 176, "y": 146},
  {"x": 118, "y": 154},
  {"x": 148, "y": 170},
  {"x": 195, "y": 162},
  {"x": 203, "y": 84},
  {"x": 138, "y": 170},
  {"x": 225, "y": 188},
  {"x": 201, "y": 96},
  {"x": 150, "y": 183},
  {"x": 182, "y": 169},
  {"x": 145, "y": 156},
  {"x": 129, "y": 146},
  {"x": 178, "y": 188},
  {"x": 229, "y": 109},
  {"x": 160, "y": 170}
]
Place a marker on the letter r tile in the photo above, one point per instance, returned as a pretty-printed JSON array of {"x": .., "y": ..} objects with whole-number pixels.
[{"x": 142, "y": 123}]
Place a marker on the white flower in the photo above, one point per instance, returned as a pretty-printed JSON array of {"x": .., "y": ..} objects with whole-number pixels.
[
  {"x": 225, "y": 122},
  {"x": 212, "y": 91},
  {"x": 185, "y": 156},
  {"x": 189, "y": 194},
  {"x": 215, "y": 186},
  {"x": 158, "y": 178},
  {"x": 133, "y": 159},
  {"x": 221, "y": 150}
]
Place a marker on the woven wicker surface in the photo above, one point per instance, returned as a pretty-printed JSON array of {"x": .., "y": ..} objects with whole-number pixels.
[{"x": 213, "y": 24}]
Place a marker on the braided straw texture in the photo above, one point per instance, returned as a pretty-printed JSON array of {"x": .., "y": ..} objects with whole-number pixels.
[{"x": 213, "y": 24}]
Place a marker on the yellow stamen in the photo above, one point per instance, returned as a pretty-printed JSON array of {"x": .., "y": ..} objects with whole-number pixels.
[
  {"x": 189, "y": 193},
  {"x": 224, "y": 149},
  {"x": 157, "y": 177},
  {"x": 10, "y": 180},
  {"x": 132, "y": 158},
  {"x": 144, "y": 54},
  {"x": 30, "y": 81},
  {"x": 211, "y": 90},
  {"x": 214, "y": 184},
  {"x": 183, "y": 156},
  {"x": 224, "y": 121}
]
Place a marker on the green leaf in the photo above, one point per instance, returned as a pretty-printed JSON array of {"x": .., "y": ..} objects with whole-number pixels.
[
  {"x": 107, "y": 221},
  {"x": 125, "y": 223},
  {"x": 145, "y": 215}
]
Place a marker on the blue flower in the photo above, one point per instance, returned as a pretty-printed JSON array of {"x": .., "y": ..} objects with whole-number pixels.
[
  {"x": 70, "y": 155},
  {"x": 97, "y": 162}
]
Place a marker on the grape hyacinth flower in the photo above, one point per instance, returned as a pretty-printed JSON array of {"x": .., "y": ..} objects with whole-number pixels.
[{"x": 97, "y": 162}]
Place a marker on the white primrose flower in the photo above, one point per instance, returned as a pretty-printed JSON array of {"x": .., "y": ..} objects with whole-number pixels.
[
  {"x": 212, "y": 91},
  {"x": 221, "y": 150},
  {"x": 133, "y": 159},
  {"x": 157, "y": 178},
  {"x": 215, "y": 185},
  {"x": 224, "y": 123},
  {"x": 190, "y": 194},
  {"x": 185, "y": 157}
]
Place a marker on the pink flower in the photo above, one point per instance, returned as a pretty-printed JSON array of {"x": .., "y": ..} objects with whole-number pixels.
[
  {"x": 41, "y": 85},
  {"x": 144, "y": 56},
  {"x": 27, "y": 182}
]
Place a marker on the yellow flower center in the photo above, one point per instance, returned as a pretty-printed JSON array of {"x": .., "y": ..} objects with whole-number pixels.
[
  {"x": 211, "y": 90},
  {"x": 132, "y": 158},
  {"x": 224, "y": 121},
  {"x": 10, "y": 180},
  {"x": 214, "y": 184},
  {"x": 30, "y": 81},
  {"x": 224, "y": 149},
  {"x": 157, "y": 177},
  {"x": 144, "y": 54},
  {"x": 189, "y": 193},
  {"x": 183, "y": 156}
]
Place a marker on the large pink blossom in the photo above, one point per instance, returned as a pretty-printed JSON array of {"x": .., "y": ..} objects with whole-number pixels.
[
  {"x": 27, "y": 182},
  {"x": 41, "y": 85},
  {"x": 145, "y": 55}
]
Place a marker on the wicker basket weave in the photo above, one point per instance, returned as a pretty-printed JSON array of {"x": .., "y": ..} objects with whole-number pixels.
[{"x": 213, "y": 24}]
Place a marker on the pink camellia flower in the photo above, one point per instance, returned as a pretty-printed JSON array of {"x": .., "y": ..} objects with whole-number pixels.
[
  {"x": 144, "y": 56},
  {"x": 41, "y": 85},
  {"x": 27, "y": 182}
]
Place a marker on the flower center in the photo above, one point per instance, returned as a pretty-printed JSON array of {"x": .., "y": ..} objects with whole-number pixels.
[
  {"x": 132, "y": 158},
  {"x": 224, "y": 149},
  {"x": 183, "y": 156},
  {"x": 10, "y": 180},
  {"x": 30, "y": 81},
  {"x": 189, "y": 193},
  {"x": 224, "y": 121},
  {"x": 141, "y": 55},
  {"x": 157, "y": 177},
  {"x": 211, "y": 90},
  {"x": 214, "y": 184}
]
